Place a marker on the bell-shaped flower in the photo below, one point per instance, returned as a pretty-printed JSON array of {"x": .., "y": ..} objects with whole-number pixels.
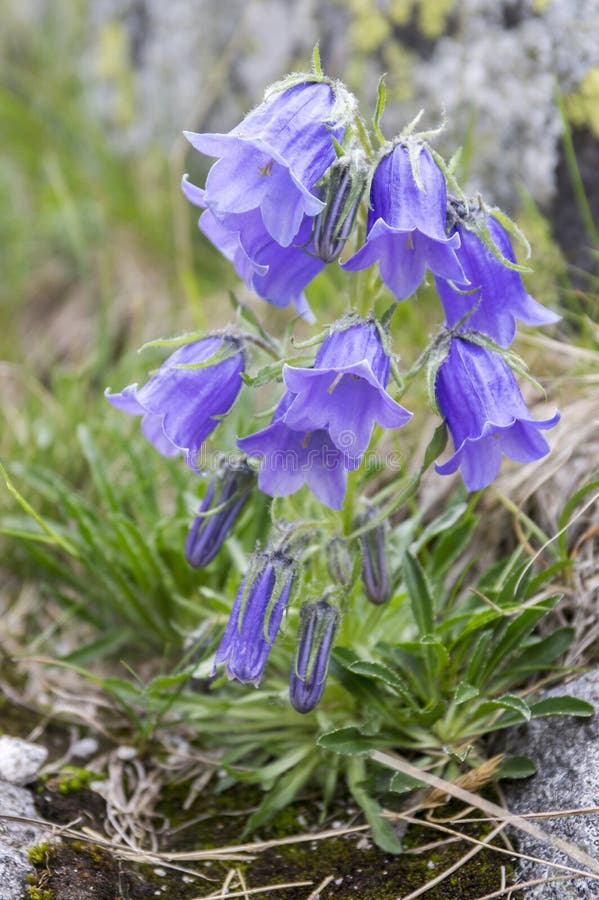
[
  {"x": 277, "y": 274},
  {"x": 291, "y": 458},
  {"x": 318, "y": 624},
  {"x": 478, "y": 395},
  {"x": 273, "y": 159},
  {"x": 495, "y": 293},
  {"x": 222, "y": 503},
  {"x": 406, "y": 229},
  {"x": 256, "y": 617},
  {"x": 183, "y": 401},
  {"x": 344, "y": 393}
]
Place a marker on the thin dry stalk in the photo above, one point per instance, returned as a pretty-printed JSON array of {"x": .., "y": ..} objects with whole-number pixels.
[
  {"x": 259, "y": 890},
  {"x": 315, "y": 894},
  {"x": 391, "y": 761}
]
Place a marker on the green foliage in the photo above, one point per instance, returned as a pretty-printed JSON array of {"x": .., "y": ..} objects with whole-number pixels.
[{"x": 95, "y": 522}]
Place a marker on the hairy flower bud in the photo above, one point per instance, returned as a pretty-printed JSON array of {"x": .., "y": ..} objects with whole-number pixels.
[
  {"x": 339, "y": 561},
  {"x": 256, "y": 616},
  {"x": 342, "y": 192},
  {"x": 222, "y": 503},
  {"x": 318, "y": 623},
  {"x": 375, "y": 576}
]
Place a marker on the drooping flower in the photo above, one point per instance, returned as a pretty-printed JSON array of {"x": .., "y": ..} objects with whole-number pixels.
[
  {"x": 181, "y": 404},
  {"x": 292, "y": 458},
  {"x": 277, "y": 274},
  {"x": 222, "y": 503},
  {"x": 478, "y": 396},
  {"x": 273, "y": 159},
  {"x": 375, "y": 576},
  {"x": 406, "y": 230},
  {"x": 495, "y": 293},
  {"x": 344, "y": 393},
  {"x": 318, "y": 624},
  {"x": 256, "y": 616}
]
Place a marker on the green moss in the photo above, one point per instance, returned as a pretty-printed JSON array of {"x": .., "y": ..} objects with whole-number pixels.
[
  {"x": 37, "y": 855},
  {"x": 34, "y": 893},
  {"x": 73, "y": 778}
]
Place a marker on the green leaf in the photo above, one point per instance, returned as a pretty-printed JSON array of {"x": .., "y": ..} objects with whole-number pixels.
[
  {"x": 383, "y": 673},
  {"x": 561, "y": 706},
  {"x": 402, "y": 784},
  {"x": 53, "y": 535},
  {"x": 106, "y": 645},
  {"x": 421, "y": 599},
  {"x": 516, "y": 767},
  {"x": 382, "y": 830},
  {"x": 451, "y": 545},
  {"x": 465, "y": 692},
  {"x": 436, "y": 446},
  {"x": 179, "y": 341},
  {"x": 316, "y": 64},
  {"x": 444, "y": 522},
  {"x": 567, "y": 512},
  {"x": 544, "y": 652},
  {"x": 513, "y": 636},
  {"x": 283, "y": 793},
  {"x": 517, "y": 704},
  {"x": 265, "y": 375},
  {"x": 380, "y": 106},
  {"x": 351, "y": 742}
]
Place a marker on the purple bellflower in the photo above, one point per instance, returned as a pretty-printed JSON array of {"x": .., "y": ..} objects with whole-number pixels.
[
  {"x": 292, "y": 458},
  {"x": 318, "y": 623},
  {"x": 256, "y": 617},
  {"x": 344, "y": 393},
  {"x": 486, "y": 415},
  {"x": 273, "y": 159},
  {"x": 222, "y": 503},
  {"x": 181, "y": 403},
  {"x": 406, "y": 224},
  {"x": 495, "y": 294},
  {"x": 277, "y": 274}
]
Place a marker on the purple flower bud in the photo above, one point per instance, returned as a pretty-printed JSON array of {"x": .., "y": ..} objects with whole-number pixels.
[
  {"x": 339, "y": 561},
  {"x": 227, "y": 493},
  {"x": 182, "y": 403},
  {"x": 342, "y": 193},
  {"x": 486, "y": 415},
  {"x": 344, "y": 393},
  {"x": 375, "y": 577},
  {"x": 318, "y": 623},
  {"x": 256, "y": 617},
  {"x": 406, "y": 222},
  {"x": 499, "y": 297},
  {"x": 273, "y": 159}
]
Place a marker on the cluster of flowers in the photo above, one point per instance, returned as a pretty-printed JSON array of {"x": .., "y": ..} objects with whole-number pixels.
[{"x": 280, "y": 203}]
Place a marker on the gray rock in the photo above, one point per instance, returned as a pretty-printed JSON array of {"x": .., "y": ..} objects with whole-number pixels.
[
  {"x": 566, "y": 752},
  {"x": 15, "y": 840},
  {"x": 20, "y": 761}
]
